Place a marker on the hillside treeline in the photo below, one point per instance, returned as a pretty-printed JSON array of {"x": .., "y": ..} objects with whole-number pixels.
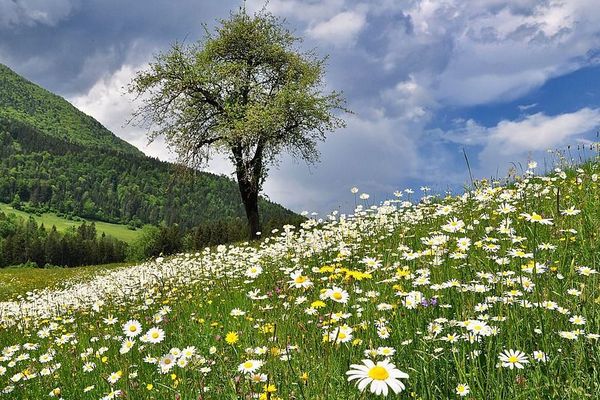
[{"x": 24, "y": 241}]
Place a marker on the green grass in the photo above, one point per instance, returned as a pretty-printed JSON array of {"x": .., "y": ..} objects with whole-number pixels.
[
  {"x": 17, "y": 281},
  {"x": 121, "y": 232},
  {"x": 533, "y": 285}
]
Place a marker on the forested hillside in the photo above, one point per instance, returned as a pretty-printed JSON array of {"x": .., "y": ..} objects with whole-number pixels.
[
  {"x": 56, "y": 158},
  {"x": 25, "y": 101},
  {"x": 23, "y": 242}
]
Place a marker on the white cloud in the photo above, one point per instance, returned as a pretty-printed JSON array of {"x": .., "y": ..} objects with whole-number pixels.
[
  {"x": 377, "y": 155},
  {"x": 108, "y": 102},
  {"x": 462, "y": 52},
  {"x": 341, "y": 30},
  {"x": 525, "y": 107},
  {"x": 540, "y": 131},
  {"x": 512, "y": 141},
  {"x": 409, "y": 101}
]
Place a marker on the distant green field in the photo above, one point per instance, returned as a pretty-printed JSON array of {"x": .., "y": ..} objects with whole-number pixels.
[
  {"x": 121, "y": 232},
  {"x": 18, "y": 281}
]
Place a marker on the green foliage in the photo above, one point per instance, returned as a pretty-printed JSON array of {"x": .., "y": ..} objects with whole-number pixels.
[
  {"x": 145, "y": 246},
  {"x": 164, "y": 240},
  {"x": 16, "y": 202}
]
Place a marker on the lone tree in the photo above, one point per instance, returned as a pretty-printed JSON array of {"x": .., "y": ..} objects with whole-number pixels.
[{"x": 245, "y": 91}]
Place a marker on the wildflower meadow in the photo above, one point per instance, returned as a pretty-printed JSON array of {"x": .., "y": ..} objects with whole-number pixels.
[{"x": 490, "y": 294}]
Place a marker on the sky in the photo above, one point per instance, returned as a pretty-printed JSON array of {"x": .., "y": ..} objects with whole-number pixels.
[{"x": 428, "y": 81}]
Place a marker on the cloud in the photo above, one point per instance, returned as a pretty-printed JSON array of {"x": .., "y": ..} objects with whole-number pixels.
[
  {"x": 462, "y": 53},
  {"x": 525, "y": 107},
  {"x": 516, "y": 140},
  {"x": 409, "y": 101},
  {"x": 341, "y": 29},
  {"x": 539, "y": 132},
  {"x": 476, "y": 52},
  {"x": 305, "y": 11},
  {"x": 373, "y": 154},
  {"x": 107, "y": 101},
  {"x": 96, "y": 38},
  {"x": 14, "y": 13}
]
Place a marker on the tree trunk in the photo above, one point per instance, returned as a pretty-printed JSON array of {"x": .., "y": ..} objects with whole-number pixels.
[
  {"x": 250, "y": 199},
  {"x": 248, "y": 177}
]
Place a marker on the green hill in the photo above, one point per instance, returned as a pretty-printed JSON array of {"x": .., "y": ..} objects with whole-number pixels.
[
  {"x": 57, "y": 159},
  {"x": 25, "y": 101}
]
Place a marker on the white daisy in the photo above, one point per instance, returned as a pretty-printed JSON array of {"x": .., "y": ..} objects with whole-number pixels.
[
  {"x": 299, "y": 281},
  {"x": 462, "y": 389},
  {"x": 336, "y": 294},
  {"x": 379, "y": 376},
  {"x": 132, "y": 328},
  {"x": 250, "y": 366},
  {"x": 155, "y": 335},
  {"x": 513, "y": 358}
]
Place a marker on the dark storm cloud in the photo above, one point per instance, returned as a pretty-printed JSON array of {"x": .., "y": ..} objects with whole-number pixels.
[{"x": 70, "y": 45}]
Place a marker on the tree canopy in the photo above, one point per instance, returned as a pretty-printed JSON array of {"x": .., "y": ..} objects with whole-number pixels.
[{"x": 246, "y": 91}]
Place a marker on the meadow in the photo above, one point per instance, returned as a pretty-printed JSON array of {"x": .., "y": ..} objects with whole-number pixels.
[
  {"x": 17, "y": 281},
  {"x": 120, "y": 232},
  {"x": 491, "y": 294}
]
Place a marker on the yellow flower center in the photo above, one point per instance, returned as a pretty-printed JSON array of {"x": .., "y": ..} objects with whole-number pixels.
[
  {"x": 132, "y": 328},
  {"x": 378, "y": 373},
  {"x": 513, "y": 359},
  {"x": 300, "y": 279},
  {"x": 155, "y": 335},
  {"x": 248, "y": 364},
  {"x": 337, "y": 295},
  {"x": 536, "y": 217}
]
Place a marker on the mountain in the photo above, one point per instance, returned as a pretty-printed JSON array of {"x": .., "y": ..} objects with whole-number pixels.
[{"x": 55, "y": 158}]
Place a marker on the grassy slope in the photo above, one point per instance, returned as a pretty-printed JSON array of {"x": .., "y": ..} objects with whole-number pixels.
[
  {"x": 120, "y": 232},
  {"x": 473, "y": 288},
  {"x": 15, "y": 282}
]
